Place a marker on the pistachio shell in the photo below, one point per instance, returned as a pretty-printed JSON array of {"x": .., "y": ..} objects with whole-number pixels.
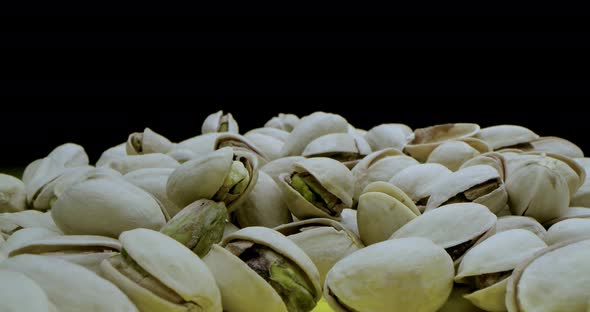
[
  {"x": 30, "y": 170},
  {"x": 506, "y": 223},
  {"x": 181, "y": 155},
  {"x": 452, "y": 154},
  {"x": 135, "y": 162},
  {"x": 264, "y": 206},
  {"x": 494, "y": 159},
  {"x": 23, "y": 237},
  {"x": 506, "y": 135},
  {"x": 286, "y": 122},
  {"x": 47, "y": 170},
  {"x": 153, "y": 181},
  {"x": 45, "y": 196},
  {"x": 413, "y": 274},
  {"x": 557, "y": 268},
  {"x": 172, "y": 264},
  {"x": 280, "y": 165},
  {"x": 18, "y": 293},
  {"x": 311, "y": 127},
  {"x": 336, "y": 143},
  {"x": 490, "y": 298},
  {"x": 417, "y": 180},
  {"x": 278, "y": 134},
  {"x": 69, "y": 155},
  {"x": 106, "y": 207},
  {"x": 68, "y": 286},
  {"x": 572, "y": 212},
  {"x": 268, "y": 145},
  {"x": 113, "y": 153},
  {"x": 427, "y": 139},
  {"x": 214, "y": 121},
  {"x": 389, "y": 135},
  {"x": 572, "y": 171},
  {"x": 147, "y": 142},
  {"x": 393, "y": 191},
  {"x": 229, "y": 229},
  {"x": 27, "y": 219},
  {"x": 568, "y": 229},
  {"x": 12, "y": 194},
  {"x": 557, "y": 145},
  {"x": 199, "y": 145},
  {"x": 456, "y": 302},
  {"x": 240, "y": 143},
  {"x": 348, "y": 217}
]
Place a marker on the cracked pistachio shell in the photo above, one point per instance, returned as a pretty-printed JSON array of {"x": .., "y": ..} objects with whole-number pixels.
[
  {"x": 106, "y": 206},
  {"x": 343, "y": 147},
  {"x": 115, "y": 152},
  {"x": 311, "y": 127},
  {"x": 582, "y": 196},
  {"x": 557, "y": 145},
  {"x": 13, "y": 196},
  {"x": 278, "y": 134},
  {"x": 410, "y": 274},
  {"x": 47, "y": 170},
  {"x": 453, "y": 154},
  {"x": 573, "y": 172},
  {"x": 69, "y": 155},
  {"x": 451, "y": 225},
  {"x": 348, "y": 219},
  {"x": 561, "y": 268},
  {"x": 274, "y": 168},
  {"x": 220, "y": 122},
  {"x": 268, "y": 145},
  {"x": 264, "y": 206},
  {"x": 242, "y": 289},
  {"x": 427, "y": 139},
  {"x": 379, "y": 166},
  {"x": 173, "y": 265},
  {"x": 85, "y": 250},
  {"x": 382, "y": 209},
  {"x": 503, "y": 136},
  {"x": 389, "y": 135},
  {"x": 325, "y": 241},
  {"x": 417, "y": 181},
  {"x": 457, "y": 303},
  {"x": 240, "y": 143},
  {"x": 465, "y": 179},
  {"x": 14, "y": 221},
  {"x": 147, "y": 142},
  {"x": 568, "y": 229},
  {"x": 571, "y": 212},
  {"x": 70, "y": 287},
  {"x": 23, "y": 237},
  {"x": 153, "y": 181},
  {"x": 506, "y": 223},
  {"x": 131, "y": 163},
  {"x": 335, "y": 177},
  {"x": 285, "y": 122},
  {"x": 46, "y": 195},
  {"x": 18, "y": 293},
  {"x": 537, "y": 190},
  {"x": 499, "y": 253},
  {"x": 494, "y": 159},
  {"x": 181, "y": 155},
  {"x": 202, "y": 177},
  {"x": 200, "y": 144}
]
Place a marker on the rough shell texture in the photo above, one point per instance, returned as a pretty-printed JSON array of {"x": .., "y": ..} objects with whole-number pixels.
[{"x": 311, "y": 127}]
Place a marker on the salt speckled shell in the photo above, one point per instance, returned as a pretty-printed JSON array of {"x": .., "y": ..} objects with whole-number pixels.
[
  {"x": 389, "y": 136},
  {"x": 20, "y": 293},
  {"x": 506, "y": 135},
  {"x": 311, "y": 127},
  {"x": 568, "y": 229},
  {"x": 427, "y": 139}
]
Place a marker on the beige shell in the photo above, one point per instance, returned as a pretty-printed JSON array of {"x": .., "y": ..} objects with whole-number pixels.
[
  {"x": 181, "y": 155},
  {"x": 427, "y": 139},
  {"x": 268, "y": 145},
  {"x": 135, "y": 162},
  {"x": 264, "y": 206},
  {"x": 417, "y": 181},
  {"x": 506, "y": 223},
  {"x": 12, "y": 222},
  {"x": 335, "y": 177},
  {"x": 460, "y": 181},
  {"x": 502, "y": 136},
  {"x": 18, "y": 293},
  {"x": 457, "y": 303},
  {"x": 147, "y": 142},
  {"x": 274, "y": 168},
  {"x": 85, "y": 250},
  {"x": 30, "y": 170},
  {"x": 46, "y": 170},
  {"x": 325, "y": 241},
  {"x": 240, "y": 143},
  {"x": 558, "y": 268},
  {"x": 494, "y": 159},
  {"x": 573, "y": 172},
  {"x": 173, "y": 265},
  {"x": 571, "y": 212},
  {"x": 46, "y": 195},
  {"x": 557, "y": 145},
  {"x": 348, "y": 220},
  {"x": 199, "y": 145},
  {"x": 202, "y": 177},
  {"x": 153, "y": 181},
  {"x": 383, "y": 209},
  {"x": 69, "y": 155},
  {"x": 213, "y": 122},
  {"x": 410, "y": 274},
  {"x": 333, "y": 143},
  {"x": 278, "y": 134},
  {"x": 568, "y": 229},
  {"x": 252, "y": 292},
  {"x": 389, "y": 136},
  {"x": 453, "y": 154},
  {"x": 311, "y": 127},
  {"x": 13, "y": 196},
  {"x": 115, "y": 152},
  {"x": 582, "y": 196},
  {"x": 286, "y": 122},
  {"x": 106, "y": 207},
  {"x": 23, "y": 237},
  {"x": 70, "y": 287}
]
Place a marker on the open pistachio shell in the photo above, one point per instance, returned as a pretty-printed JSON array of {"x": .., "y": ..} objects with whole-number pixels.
[
  {"x": 115, "y": 152},
  {"x": 240, "y": 143},
  {"x": 560, "y": 268},
  {"x": 311, "y": 127},
  {"x": 46, "y": 196},
  {"x": 276, "y": 167},
  {"x": 69, "y": 155},
  {"x": 348, "y": 219},
  {"x": 153, "y": 181},
  {"x": 452, "y": 154},
  {"x": 325, "y": 241},
  {"x": 30, "y": 170},
  {"x": 383, "y": 209},
  {"x": 417, "y": 181},
  {"x": 264, "y": 206},
  {"x": 455, "y": 227},
  {"x": 479, "y": 184},
  {"x": 243, "y": 289},
  {"x": 268, "y": 145},
  {"x": 135, "y": 162},
  {"x": 286, "y": 122},
  {"x": 573, "y": 172},
  {"x": 220, "y": 122},
  {"x": 494, "y": 159},
  {"x": 165, "y": 277},
  {"x": 427, "y": 139},
  {"x": 181, "y": 155},
  {"x": 18, "y": 293},
  {"x": 570, "y": 213},
  {"x": 343, "y": 147},
  {"x": 106, "y": 206},
  {"x": 278, "y": 134},
  {"x": 199, "y": 145},
  {"x": 47, "y": 170},
  {"x": 488, "y": 265},
  {"x": 506, "y": 223},
  {"x": 147, "y": 142},
  {"x": 23, "y": 237},
  {"x": 85, "y": 250},
  {"x": 557, "y": 145},
  {"x": 12, "y": 222},
  {"x": 410, "y": 274},
  {"x": 568, "y": 229},
  {"x": 503, "y": 136},
  {"x": 13, "y": 196},
  {"x": 457, "y": 303},
  {"x": 318, "y": 187},
  {"x": 389, "y": 136},
  {"x": 223, "y": 175},
  {"x": 68, "y": 286}
]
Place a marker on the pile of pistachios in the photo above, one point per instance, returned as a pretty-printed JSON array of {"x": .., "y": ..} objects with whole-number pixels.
[{"x": 451, "y": 217}]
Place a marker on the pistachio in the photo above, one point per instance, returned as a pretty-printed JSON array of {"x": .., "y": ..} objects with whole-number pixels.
[
  {"x": 199, "y": 145},
  {"x": 389, "y": 136},
  {"x": 311, "y": 127},
  {"x": 12, "y": 194},
  {"x": 571, "y": 212},
  {"x": 20, "y": 293},
  {"x": 567, "y": 230},
  {"x": 457, "y": 303},
  {"x": 111, "y": 154},
  {"x": 427, "y": 139},
  {"x": 506, "y": 223},
  {"x": 268, "y": 145},
  {"x": 557, "y": 145},
  {"x": 349, "y": 218},
  {"x": 23, "y": 237},
  {"x": 219, "y": 122},
  {"x": 418, "y": 180},
  {"x": 278, "y": 134},
  {"x": 12, "y": 222},
  {"x": 135, "y": 162},
  {"x": 147, "y": 142},
  {"x": 286, "y": 122},
  {"x": 241, "y": 144},
  {"x": 153, "y": 181},
  {"x": 452, "y": 154},
  {"x": 276, "y": 167},
  {"x": 343, "y": 147},
  {"x": 506, "y": 136},
  {"x": 494, "y": 159}
]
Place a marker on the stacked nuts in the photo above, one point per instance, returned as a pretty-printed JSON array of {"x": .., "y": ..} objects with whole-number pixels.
[{"x": 451, "y": 217}]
